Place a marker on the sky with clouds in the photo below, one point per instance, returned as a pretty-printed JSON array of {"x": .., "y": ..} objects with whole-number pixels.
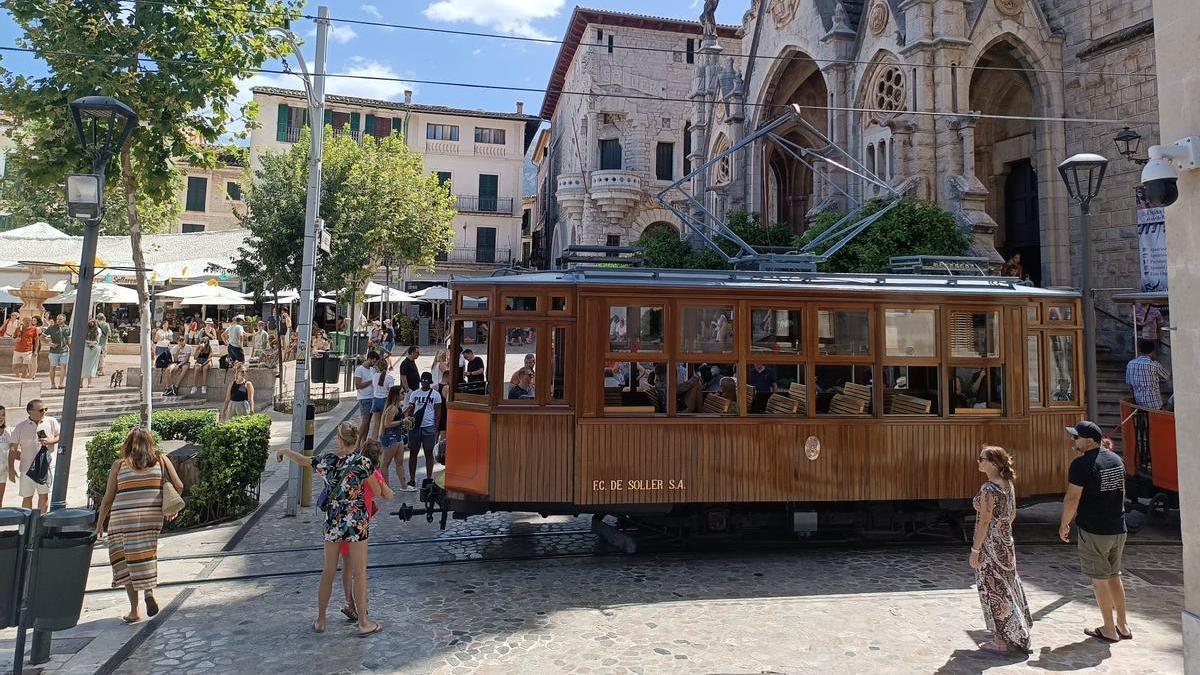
[{"x": 415, "y": 55}]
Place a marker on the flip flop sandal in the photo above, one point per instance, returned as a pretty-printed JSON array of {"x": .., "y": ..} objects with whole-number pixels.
[
  {"x": 993, "y": 648},
  {"x": 1095, "y": 633},
  {"x": 151, "y": 606},
  {"x": 131, "y": 619},
  {"x": 1124, "y": 636},
  {"x": 378, "y": 627},
  {"x": 351, "y": 615},
  {"x": 315, "y": 629}
]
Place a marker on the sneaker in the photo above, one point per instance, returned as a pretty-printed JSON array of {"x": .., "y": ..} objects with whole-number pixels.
[
  {"x": 203, "y": 390},
  {"x": 409, "y": 488},
  {"x": 170, "y": 391},
  {"x": 192, "y": 391}
]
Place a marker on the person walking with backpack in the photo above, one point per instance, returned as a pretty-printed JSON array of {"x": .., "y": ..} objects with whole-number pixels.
[
  {"x": 32, "y": 444},
  {"x": 424, "y": 406},
  {"x": 132, "y": 512},
  {"x": 1095, "y": 500}
]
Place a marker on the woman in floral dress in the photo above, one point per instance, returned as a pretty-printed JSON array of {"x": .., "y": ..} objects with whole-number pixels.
[
  {"x": 995, "y": 559},
  {"x": 346, "y": 473}
]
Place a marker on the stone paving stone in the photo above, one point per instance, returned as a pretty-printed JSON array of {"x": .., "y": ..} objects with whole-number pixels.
[{"x": 902, "y": 610}]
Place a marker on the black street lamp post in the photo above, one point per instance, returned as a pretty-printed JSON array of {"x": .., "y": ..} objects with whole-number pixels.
[{"x": 1083, "y": 174}]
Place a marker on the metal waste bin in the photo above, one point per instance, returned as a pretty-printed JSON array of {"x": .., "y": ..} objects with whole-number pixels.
[
  {"x": 327, "y": 368},
  {"x": 60, "y": 576},
  {"x": 12, "y": 540}
]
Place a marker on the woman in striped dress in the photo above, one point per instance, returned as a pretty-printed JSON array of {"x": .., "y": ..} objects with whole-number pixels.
[{"x": 132, "y": 507}]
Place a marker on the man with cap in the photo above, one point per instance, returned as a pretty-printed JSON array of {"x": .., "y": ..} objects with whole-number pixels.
[
  {"x": 233, "y": 339},
  {"x": 1095, "y": 500}
]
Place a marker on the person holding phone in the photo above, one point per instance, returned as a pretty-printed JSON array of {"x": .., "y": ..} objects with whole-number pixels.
[{"x": 29, "y": 437}]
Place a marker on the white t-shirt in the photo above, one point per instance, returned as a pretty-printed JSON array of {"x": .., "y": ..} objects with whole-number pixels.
[
  {"x": 363, "y": 373},
  {"x": 381, "y": 390},
  {"x": 24, "y": 435},
  {"x": 162, "y": 338},
  {"x": 184, "y": 355},
  {"x": 417, "y": 399},
  {"x": 235, "y": 335}
]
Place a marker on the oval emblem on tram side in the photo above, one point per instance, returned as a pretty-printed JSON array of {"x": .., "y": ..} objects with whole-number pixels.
[{"x": 812, "y": 447}]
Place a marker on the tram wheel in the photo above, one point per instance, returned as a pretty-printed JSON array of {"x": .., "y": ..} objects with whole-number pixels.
[{"x": 1160, "y": 505}]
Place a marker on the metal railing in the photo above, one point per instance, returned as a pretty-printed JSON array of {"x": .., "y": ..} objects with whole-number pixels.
[
  {"x": 293, "y": 133},
  {"x": 474, "y": 204},
  {"x": 483, "y": 256}
]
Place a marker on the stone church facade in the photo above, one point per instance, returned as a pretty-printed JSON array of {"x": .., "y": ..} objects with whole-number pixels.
[{"x": 866, "y": 74}]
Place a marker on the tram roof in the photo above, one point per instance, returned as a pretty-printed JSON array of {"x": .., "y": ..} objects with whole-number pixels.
[{"x": 718, "y": 279}]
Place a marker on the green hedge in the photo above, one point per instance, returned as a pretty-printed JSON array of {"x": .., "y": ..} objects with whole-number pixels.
[{"x": 231, "y": 459}]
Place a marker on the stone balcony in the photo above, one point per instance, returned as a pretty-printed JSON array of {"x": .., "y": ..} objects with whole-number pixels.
[
  {"x": 433, "y": 147},
  {"x": 616, "y": 192},
  {"x": 571, "y": 196}
]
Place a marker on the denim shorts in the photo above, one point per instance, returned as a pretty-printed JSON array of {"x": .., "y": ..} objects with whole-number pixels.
[
  {"x": 389, "y": 347},
  {"x": 378, "y": 404},
  {"x": 365, "y": 405},
  {"x": 59, "y": 359},
  {"x": 391, "y": 437}
]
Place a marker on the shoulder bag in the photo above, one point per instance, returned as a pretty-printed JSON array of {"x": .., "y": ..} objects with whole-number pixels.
[{"x": 172, "y": 503}]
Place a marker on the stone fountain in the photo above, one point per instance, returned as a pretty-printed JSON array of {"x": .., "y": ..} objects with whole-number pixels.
[{"x": 33, "y": 292}]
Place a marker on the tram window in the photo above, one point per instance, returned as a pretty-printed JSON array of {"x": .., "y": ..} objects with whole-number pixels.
[
  {"x": 706, "y": 388},
  {"x": 778, "y": 331},
  {"x": 520, "y": 362},
  {"x": 520, "y": 303},
  {"x": 1062, "y": 368},
  {"x": 707, "y": 330},
  {"x": 635, "y": 329},
  {"x": 471, "y": 374},
  {"x": 1060, "y": 313},
  {"x": 843, "y": 332},
  {"x": 910, "y": 333},
  {"x": 1033, "y": 364},
  {"x": 844, "y": 390},
  {"x": 474, "y": 303},
  {"x": 1032, "y": 315},
  {"x": 911, "y": 390},
  {"x": 776, "y": 389},
  {"x": 635, "y": 388},
  {"x": 558, "y": 303},
  {"x": 975, "y": 335},
  {"x": 977, "y": 390},
  {"x": 558, "y": 366}
]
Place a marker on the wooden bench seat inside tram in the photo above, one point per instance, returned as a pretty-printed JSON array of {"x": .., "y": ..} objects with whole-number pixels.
[
  {"x": 799, "y": 392},
  {"x": 857, "y": 391},
  {"x": 842, "y": 404},
  {"x": 779, "y": 404},
  {"x": 715, "y": 404},
  {"x": 903, "y": 404}
]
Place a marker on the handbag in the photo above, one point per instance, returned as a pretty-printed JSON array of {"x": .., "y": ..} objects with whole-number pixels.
[
  {"x": 323, "y": 500},
  {"x": 39, "y": 470},
  {"x": 172, "y": 502}
]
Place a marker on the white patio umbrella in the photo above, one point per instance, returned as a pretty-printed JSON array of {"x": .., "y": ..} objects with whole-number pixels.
[
  {"x": 102, "y": 292},
  {"x": 7, "y": 298},
  {"x": 434, "y": 294},
  {"x": 218, "y": 299},
  {"x": 205, "y": 289}
]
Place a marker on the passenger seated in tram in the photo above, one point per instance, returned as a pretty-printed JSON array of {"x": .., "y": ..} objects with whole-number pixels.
[
  {"x": 523, "y": 389},
  {"x": 530, "y": 363},
  {"x": 1062, "y": 391}
]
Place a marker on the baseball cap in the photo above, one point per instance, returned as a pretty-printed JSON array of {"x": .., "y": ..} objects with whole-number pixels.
[
  {"x": 427, "y": 377},
  {"x": 240, "y": 317},
  {"x": 1086, "y": 429}
]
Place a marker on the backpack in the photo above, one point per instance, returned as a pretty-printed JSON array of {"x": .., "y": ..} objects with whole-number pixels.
[
  {"x": 224, "y": 362},
  {"x": 162, "y": 360}
]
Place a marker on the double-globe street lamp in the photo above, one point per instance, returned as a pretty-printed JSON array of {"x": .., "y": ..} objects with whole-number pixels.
[
  {"x": 103, "y": 125},
  {"x": 1083, "y": 174}
]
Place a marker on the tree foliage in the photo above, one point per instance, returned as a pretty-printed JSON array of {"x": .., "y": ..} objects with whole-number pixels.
[
  {"x": 913, "y": 227},
  {"x": 377, "y": 201}
]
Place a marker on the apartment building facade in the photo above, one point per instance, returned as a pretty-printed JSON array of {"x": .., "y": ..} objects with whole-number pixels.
[
  {"x": 210, "y": 199},
  {"x": 479, "y": 154}
]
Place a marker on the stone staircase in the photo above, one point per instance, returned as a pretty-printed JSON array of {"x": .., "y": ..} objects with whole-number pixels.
[
  {"x": 99, "y": 406},
  {"x": 1111, "y": 387}
]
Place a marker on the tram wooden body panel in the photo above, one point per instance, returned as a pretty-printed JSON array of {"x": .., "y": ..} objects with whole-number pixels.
[{"x": 578, "y": 454}]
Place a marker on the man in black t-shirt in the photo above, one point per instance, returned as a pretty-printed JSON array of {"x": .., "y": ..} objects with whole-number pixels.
[
  {"x": 409, "y": 370},
  {"x": 474, "y": 368},
  {"x": 1095, "y": 500}
]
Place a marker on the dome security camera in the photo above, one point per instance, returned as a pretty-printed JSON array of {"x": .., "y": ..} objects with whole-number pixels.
[{"x": 1160, "y": 177}]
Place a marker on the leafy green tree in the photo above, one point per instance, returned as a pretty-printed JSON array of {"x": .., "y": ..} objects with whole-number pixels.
[
  {"x": 913, "y": 227},
  {"x": 177, "y": 64},
  {"x": 377, "y": 201}
]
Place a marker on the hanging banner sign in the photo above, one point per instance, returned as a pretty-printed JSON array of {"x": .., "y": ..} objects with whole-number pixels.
[{"x": 1152, "y": 243}]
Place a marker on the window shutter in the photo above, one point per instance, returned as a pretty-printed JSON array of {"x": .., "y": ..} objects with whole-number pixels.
[
  {"x": 398, "y": 125},
  {"x": 281, "y": 130},
  {"x": 353, "y": 121},
  {"x": 328, "y": 117},
  {"x": 370, "y": 125}
]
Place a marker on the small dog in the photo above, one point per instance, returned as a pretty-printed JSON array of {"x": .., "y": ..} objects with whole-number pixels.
[{"x": 116, "y": 379}]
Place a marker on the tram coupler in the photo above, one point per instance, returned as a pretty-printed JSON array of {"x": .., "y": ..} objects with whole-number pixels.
[{"x": 432, "y": 502}]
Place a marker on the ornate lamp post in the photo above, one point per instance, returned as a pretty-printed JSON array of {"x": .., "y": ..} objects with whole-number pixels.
[
  {"x": 1128, "y": 143},
  {"x": 1083, "y": 174}
]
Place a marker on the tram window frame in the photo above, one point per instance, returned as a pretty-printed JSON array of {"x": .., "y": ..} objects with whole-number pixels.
[
  {"x": 639, "y": 304},
  {"x": 568, "y": 303},
  {"x": 754, "y": 402},
  {"x": 501, "y": 377},
  {"x": 1034, "y": 370},
  {"x": 1053, "y": 311},
  {"x": 936, "y": 361},
  {"x": 953, "y": 362},
  {"x": 462, "y": 294},
  {"x": 1033, "y": 314},
  {"x": 749, "y": 358},
  {"x": 508, "y": 303},
  {"x": 634, "y": 357},
  {"x": 819, "y": 361},
  {"x": 1048, "y": 386},
  {"x": 815, "y": 333},
  {"x": 632, "y": 361},
  {"x": 457, "y": 376},
  {"x": 729, "y": 365},
  {"x": 568, "y": 378},
  {"x": 726, "y": 356}
]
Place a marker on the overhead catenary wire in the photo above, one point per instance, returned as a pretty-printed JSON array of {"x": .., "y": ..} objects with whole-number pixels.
[
  {"x": 567, "y": 92},
  {"x": 643, "y": 48}
]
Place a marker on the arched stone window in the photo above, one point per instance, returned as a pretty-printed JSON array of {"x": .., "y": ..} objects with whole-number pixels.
[
  {"x": 722, "y": 171},
  {"x": 888, "y": 92}
]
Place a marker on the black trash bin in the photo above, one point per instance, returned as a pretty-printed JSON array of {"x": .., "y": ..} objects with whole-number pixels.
[
  {"x": 327, "y": 368},
  {"x": 11, "y": 541},
  {"x": 63, "y": 558}
]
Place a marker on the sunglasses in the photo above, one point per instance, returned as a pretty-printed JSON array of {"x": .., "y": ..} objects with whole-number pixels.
[{"x": 40, "y": 410}]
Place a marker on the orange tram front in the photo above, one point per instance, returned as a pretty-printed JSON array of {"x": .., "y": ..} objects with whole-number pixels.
[{"x": 715, "y": 404}]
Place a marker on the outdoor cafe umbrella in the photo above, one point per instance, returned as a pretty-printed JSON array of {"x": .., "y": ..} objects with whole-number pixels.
[
  {"x": 434, "y": 294},
  {"x": 102, "y": 293}
]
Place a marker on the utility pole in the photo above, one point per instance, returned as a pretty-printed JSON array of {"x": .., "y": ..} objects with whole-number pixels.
[{"x": 314, "y": 84}]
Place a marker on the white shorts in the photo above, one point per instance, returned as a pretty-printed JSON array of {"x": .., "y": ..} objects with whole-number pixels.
[
  {"x": 22, "y": 358},
  {"x": 4, "y": 470},
  {"x": 30, "y": 487}
]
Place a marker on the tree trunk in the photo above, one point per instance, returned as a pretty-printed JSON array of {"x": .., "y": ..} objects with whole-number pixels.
[
  {"x": 146, "y": 322},
  {"x": 279, "y": 344}
]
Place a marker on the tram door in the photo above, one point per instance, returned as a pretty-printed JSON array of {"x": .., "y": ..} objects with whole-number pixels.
[{"x": 1022, "y": 231}]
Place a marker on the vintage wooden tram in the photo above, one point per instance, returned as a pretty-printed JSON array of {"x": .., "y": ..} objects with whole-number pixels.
[{"x": 709, "y": 404}]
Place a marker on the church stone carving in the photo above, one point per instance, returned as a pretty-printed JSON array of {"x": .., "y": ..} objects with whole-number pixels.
[
  {"x": 1009, "y": 7},
  {"x": 877, "y": 20},
  {"x": 783, "y": 11}
]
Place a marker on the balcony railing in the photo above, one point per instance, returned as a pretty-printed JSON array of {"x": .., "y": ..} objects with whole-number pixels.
[
  {"x": 293, "y": 133},
  {"x": 482, "y": 256},
  {"x": 473, "y": 204}
]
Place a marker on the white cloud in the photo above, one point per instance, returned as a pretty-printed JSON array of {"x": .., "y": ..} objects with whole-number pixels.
[
  {"x": 371, "y": 11},
  {"x": 339, "y": 34},
  {"x": 244, "y": 96},
  {"x": 388, "y": 88},
  {"x": 513, "y": 17},
  {"x": 476, "y": 52}
]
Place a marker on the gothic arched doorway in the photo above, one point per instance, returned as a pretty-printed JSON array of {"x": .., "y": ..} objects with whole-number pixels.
[
  {"x": 1005, "y": 153},
  {"x": 788, "y": 185}
]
